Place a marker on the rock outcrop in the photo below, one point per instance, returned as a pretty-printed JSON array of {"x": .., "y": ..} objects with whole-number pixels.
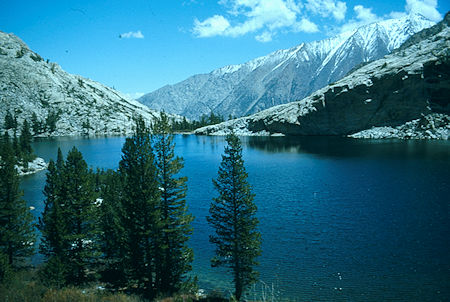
[
  {"x": 398, "y": 89},
  {"x": 29, "y": 84}
]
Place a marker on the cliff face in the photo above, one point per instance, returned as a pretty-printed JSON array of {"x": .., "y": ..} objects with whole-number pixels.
[
  {"x": 406, "y": 85},
  {"x": 29, "y": 84}
]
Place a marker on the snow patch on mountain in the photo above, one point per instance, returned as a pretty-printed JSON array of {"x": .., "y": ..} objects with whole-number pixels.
[{"x": 285, "y": 75}]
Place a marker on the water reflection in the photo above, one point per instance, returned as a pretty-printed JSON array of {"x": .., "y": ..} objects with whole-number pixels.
[{"x": 330, "y": 146}]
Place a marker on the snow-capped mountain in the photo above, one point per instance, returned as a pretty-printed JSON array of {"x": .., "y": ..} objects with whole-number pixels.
[
  {"x": 285, "y": 75},
  {"x": 29, "y": 84},
  {"x": 405, "y": 94}
]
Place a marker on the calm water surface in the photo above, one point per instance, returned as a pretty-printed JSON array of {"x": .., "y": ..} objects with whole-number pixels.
[{"x": 341, "y": 219}]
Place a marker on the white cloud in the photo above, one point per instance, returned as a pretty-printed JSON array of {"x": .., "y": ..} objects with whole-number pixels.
[
  {"x": 363, "y": 16},
  {"x": 327, "y": 8},
  {"x": 264, "y": 37},
  {"x": 132, "y": 34},
  {"x": 266, "y": 17},
  {"x": 306, "y": 26},
  {"x": 427, "y": 8},
  {"x": 213, "y": 26}
]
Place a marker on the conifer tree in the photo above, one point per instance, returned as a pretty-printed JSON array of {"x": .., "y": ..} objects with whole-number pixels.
[
  {"x": 81, "y": 217},
  {"x": 9, "y": 121},
  {"x": 52, "y": 224},
  {"x": 232, "y": 216},
  {"x": 174, "y": 256},
  {"x": 17, "y": 235},
  {"x": 25, "y": 143},
  {"x": 36, "y": 125},
  {"x": 141, "y": 207},
  {"x": 112, "y": 239}
]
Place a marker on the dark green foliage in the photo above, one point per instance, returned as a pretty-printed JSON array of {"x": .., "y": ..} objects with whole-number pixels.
[
  {"x": 25, "y": 143},
  {"x": 174, "y": 256},
  {"x": 232, "y": 216},
  {"x": 205, "y": 120},
  {"x": 141, "y": 207},
  {"x": 112, "y": 235},
  {"x": 51, "y": 120},
  {"x": 80, "y": 212},
  {"x": 53, "y": 227},
  {"x": 5, "y": 268},
  {"x": 10, "y": 121},
  {"x": 37, "y": 125},
  {"x": 68, "y": 223},
  {"x": 17, "y": 235}
]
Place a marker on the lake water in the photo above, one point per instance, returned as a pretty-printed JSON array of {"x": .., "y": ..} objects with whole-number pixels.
[{"x": 341, "y": 219}]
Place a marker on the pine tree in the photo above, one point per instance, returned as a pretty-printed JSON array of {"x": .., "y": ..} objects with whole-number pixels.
[
  {"x": 112, "y": 239},
  {"x": 174, "y": 256},
  {"x": 141, "y": 207},
  {"x": 25, "y": 143},
  {"x": 9, "y": 121},
  {"x": 52, "y": 224},
  {"x": 36, "y": 125},
  {"x": 81, "y": 217},
  {"x": 17, "y": 235},
  {"x": 232, "y": 216}
]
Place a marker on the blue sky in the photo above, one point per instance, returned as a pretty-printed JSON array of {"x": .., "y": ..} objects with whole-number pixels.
[{"x": 138, "y": 46}]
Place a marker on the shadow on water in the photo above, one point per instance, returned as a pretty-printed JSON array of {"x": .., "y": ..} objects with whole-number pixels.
[{"x": 332, "y": 146}]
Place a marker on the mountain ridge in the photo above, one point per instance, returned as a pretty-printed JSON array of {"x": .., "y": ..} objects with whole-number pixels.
[
  {"x": 29, "y": 84},
  {"x": 284, "y": 75},
  {"x": 402, "y": 95}
]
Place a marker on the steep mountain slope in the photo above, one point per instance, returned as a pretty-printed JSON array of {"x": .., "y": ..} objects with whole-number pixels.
[
  {"x": 405, "y": 94},
  {"x": 28, "y": 85},
  {"x": 285, "y": 75}
]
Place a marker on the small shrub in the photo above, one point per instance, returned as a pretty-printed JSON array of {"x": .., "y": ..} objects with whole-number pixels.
[
  {"x": 36, "y": 57},
  {"x": 20, "y": 52}
]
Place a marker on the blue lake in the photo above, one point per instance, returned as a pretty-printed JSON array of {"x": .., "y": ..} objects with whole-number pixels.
[{"x": 341, "y": 219}]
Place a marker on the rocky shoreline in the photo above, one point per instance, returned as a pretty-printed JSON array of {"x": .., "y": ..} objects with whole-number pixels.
[{"x": 38, "y": 164}]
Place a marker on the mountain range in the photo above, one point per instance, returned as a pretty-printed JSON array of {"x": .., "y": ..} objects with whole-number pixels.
[
  {"x": 405, "y": 94},
  {"x": 285, "y": 75},
  {"x": 29, "y": 84}
]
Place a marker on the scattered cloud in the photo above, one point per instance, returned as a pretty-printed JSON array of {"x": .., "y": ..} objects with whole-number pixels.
[
  {"x": 364, "y": 16},
  {"x": 264, "y": 37},
  {"x": 213, "y": 26},
  {"x": 132, "y": 34},
  {"x": 306, "y": 26},
  {"x": 327, "y": 8},
  {"x": 266, "y": 18},
  {"x": 427, "y": 8}
]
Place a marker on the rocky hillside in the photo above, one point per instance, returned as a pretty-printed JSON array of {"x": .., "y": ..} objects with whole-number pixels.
[
  {"x": 285, "y": 75},
  {"x": 29, "y": 84},
  {"x": 405, "y": 94}
]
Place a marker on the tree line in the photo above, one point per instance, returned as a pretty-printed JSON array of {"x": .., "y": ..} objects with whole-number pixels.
[
  {"x": 37, "y": 125},
  {"x": 129, "y": 228},
  {"x": 205, "y": 120}
]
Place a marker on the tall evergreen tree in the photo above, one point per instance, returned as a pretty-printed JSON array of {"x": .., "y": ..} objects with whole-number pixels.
[
  {"x": 52, "y": 224},
  {"x": 141, "y": 206},
  {"x": 25, "y": 143},
  {"x": 9, "y": 121},
  {"x": 112, "y": 238},
  {"x": 81, "y": 217},
  {"x": 232, "y": 216},
  {"x": 17, "y": 235},
  {"x": 174, "y": 256}
]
